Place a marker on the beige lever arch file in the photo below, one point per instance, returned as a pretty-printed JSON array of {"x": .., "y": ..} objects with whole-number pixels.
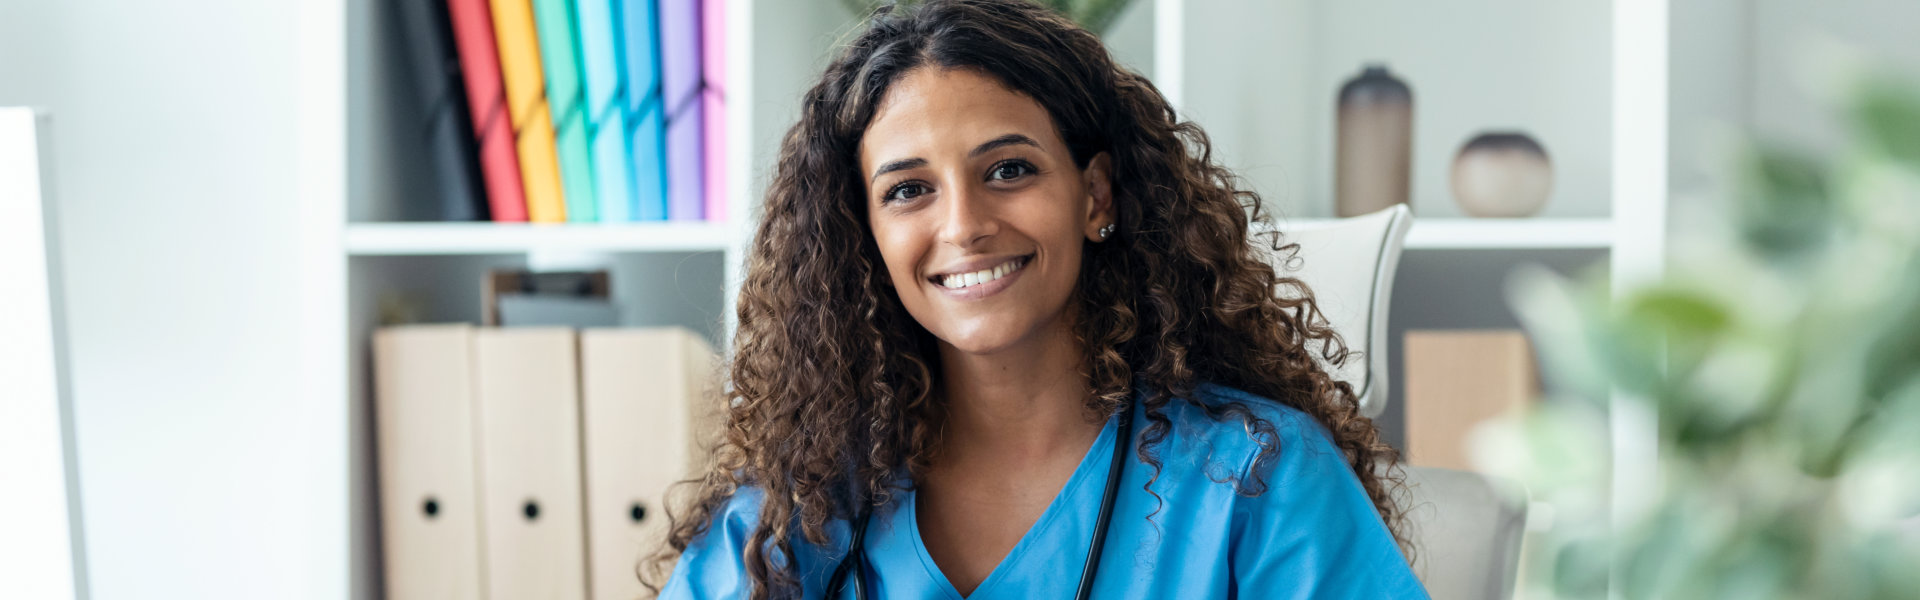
[
  {"x": 527, "y": 386},
  {"x": 429, "y": 494},
  {"x": 651, "y": 411}
]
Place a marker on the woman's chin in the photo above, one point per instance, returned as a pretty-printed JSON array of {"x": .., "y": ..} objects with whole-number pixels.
[{"x": 983, "y": 338}]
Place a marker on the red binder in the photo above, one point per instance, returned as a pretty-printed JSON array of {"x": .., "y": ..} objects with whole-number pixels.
[{"x": 492, "y": 126}]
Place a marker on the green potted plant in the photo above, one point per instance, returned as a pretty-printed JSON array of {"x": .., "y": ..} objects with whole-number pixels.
[{"x": 1779, "y": 359}]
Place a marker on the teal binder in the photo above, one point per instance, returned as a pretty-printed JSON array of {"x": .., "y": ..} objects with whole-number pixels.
[
  {"x": 608, "y": 144},
  {"x": 560, "y": 57}
]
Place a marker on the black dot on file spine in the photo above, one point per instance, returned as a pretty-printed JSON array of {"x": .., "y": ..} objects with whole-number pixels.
[
  {"x": 531, "y": 509},
  {"x": 638, "y": 512},
  {"x": 431, "y": 506}
]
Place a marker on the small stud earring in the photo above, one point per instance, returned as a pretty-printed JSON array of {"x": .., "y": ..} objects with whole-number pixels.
[{"x": 1106, "y": 231}]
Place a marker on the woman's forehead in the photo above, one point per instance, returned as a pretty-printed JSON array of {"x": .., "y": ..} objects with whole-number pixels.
[{"x": 938, "y": 110}]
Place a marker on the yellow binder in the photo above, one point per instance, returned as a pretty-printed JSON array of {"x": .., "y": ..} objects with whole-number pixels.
[{"x": 527, "y": 102}]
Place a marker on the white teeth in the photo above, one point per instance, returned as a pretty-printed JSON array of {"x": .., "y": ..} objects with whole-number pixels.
[{"x": 978, "y": 277}]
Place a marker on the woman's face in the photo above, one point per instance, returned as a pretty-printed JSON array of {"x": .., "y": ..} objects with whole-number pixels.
[{"x": 977, "y": 207}]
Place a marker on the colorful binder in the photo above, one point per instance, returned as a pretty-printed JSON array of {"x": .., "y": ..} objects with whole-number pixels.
[
  {"x": 434, "y": 67},
  {"x": 646, "y": 110},
  {"x": 526, "y": 381},
  {"x": 649, "y": 413},
  {"x": 487, "y": 104},
  {"x": 713, "y": 107},
  {"x": 527, "y": 105},
  {"x": 680, "y": 34},
  {"x": 424, "y": 418},
  {"x": 608, "y": 146},
  {"x": 560, "y": 53}
]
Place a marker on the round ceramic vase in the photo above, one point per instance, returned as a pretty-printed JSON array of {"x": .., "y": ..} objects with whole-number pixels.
[{"x": 1502, "y": 174}]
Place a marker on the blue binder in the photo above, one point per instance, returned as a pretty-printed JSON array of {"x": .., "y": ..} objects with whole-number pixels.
[{"x": 646, "y": 111}]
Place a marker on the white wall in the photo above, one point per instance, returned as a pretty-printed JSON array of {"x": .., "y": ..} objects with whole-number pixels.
[
  {"x": 1785, "y": 31},
  {"x": 206, "y": 472},
  {"x": 1750, "y": 67}
]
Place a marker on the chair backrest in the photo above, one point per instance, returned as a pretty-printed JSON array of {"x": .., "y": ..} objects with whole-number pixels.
[
  {"x": 1466, "y": 530},
  {"x": 1349, "y": 265},
  {"x": 40, "y": 510}
]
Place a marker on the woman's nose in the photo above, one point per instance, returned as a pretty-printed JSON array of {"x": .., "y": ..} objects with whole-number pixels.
[{"x": 968, "y": 218}]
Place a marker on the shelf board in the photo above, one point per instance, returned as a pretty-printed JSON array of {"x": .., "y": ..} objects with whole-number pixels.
[
  {"x": 1472, "y": 234},
  {"x": 412, "y": 239},
  {"x": 1498, "y": 234},
  {"x": 405, "y": 239}
]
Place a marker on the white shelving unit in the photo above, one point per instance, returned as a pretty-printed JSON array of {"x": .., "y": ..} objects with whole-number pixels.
[
  {"x": 414, "y": 239},
  {"x": 1259, "y": 75},
  {"x": 1498, "y": 234}
]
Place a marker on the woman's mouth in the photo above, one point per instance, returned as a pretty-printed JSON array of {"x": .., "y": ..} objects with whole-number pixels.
[{"x": 984, "y": 282}]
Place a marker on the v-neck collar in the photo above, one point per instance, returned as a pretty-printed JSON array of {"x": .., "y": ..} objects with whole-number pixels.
[{"x": 1093, "y": 465}]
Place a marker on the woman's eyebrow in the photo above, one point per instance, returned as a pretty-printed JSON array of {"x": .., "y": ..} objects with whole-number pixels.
[
  {"x": 1011, "y": 139},
  {"x": 897, "y": 165},
  {"x": 1002, "y": 141}
]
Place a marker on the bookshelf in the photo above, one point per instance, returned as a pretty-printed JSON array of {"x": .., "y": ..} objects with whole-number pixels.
[
  {"x": 456, "y": 239},
  {"x": 1594, "y": 91}
]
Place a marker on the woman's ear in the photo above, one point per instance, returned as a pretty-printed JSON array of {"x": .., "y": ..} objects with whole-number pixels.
[{"x": 1098, "y": 179}]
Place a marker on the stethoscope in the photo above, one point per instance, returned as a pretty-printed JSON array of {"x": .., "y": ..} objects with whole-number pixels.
[{"x": 857, "y": 557}]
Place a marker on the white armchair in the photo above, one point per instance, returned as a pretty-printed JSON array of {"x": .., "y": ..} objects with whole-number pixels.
[
  {"x": 1465, "y": 527},
  {"x": 1349, "y": 265}
]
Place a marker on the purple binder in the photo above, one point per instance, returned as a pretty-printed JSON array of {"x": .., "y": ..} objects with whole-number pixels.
[{"x": 680, "y": 79}]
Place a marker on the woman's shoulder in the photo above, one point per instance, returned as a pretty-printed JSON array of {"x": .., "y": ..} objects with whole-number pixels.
[
  {"x": 711, "y": 565},
  {"x": 1306, "y": 523},
  {"x": 1232, "y": 434},
  {"x": 733, "y": 520},
  {"x": 1230, "y": 419}
]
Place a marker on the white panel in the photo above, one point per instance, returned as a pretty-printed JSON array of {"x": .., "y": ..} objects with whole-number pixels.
[
  {"x": 39, "y": 556},
  {"x": 209, "y": 471},
  {"x": 1640, "y": 63}
]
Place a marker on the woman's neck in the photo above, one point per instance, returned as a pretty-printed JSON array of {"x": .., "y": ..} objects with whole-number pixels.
[{"x": 1022, "y": 403}]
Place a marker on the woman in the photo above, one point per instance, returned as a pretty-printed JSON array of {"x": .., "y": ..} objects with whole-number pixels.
[{"x": 988, "y": 252}]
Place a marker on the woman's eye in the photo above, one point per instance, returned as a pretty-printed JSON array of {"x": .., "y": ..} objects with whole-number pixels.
[
  {"x": 904, "y": 191},
  {"x": 1010, "y": 170}
]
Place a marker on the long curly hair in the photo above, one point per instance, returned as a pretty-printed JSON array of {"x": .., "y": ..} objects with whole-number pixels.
[{"x": 835, "y": 386}]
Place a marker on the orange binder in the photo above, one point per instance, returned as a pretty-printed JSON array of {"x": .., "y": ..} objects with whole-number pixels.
[{"x": 527, "y": 103}]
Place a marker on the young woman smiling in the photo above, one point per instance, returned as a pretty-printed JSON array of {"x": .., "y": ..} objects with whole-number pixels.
[{"x": 993, "y": 273}]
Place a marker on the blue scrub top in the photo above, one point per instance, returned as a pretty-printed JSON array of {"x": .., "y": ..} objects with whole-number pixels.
[{"x": 1312, "y": 534}]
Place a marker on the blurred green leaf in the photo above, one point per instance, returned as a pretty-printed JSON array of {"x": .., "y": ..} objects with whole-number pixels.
[
  {"x": 1887, "y": 114},
  {"x": 1785, "y": 207}
]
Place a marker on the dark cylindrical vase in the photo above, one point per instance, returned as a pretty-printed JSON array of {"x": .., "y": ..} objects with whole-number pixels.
[{"x": 1373, "y": 146}]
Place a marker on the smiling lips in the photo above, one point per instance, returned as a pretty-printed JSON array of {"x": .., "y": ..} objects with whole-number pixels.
[{"x": 959, "y": 281}]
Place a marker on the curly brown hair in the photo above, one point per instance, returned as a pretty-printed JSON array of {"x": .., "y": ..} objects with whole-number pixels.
[{"x": 834, "y": 384}]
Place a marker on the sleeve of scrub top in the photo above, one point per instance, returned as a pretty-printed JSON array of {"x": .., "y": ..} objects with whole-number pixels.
[
  {"x": 714, "y": 565},
  {"x": 1314, "y": 533}
]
